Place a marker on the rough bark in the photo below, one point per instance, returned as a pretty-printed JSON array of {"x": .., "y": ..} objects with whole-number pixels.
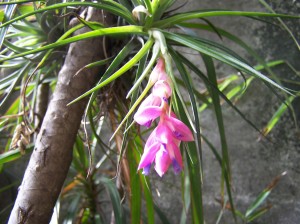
[
  {"x": 40, "y": 109},
  {"x": 52, "y": 155}
]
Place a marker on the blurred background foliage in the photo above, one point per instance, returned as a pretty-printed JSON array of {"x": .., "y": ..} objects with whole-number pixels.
[{"x": 102, "y": 186}]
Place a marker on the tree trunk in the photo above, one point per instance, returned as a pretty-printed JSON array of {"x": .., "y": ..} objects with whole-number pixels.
[{"x": 52, "y": 155}]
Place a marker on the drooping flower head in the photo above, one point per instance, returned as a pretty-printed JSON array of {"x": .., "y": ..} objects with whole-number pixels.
[{"x": 162, "y": 146}]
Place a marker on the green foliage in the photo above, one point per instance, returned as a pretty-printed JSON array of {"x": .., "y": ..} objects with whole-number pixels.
[{"x": 34, "y": 38}]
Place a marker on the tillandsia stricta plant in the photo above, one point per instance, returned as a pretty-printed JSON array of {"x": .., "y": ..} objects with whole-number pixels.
[{"x": 112, "y": 49}]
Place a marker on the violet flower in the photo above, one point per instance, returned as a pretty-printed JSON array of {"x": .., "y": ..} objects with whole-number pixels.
[
  {"x": 154, "y": 105},
  {"x": 162, "y": 146}
]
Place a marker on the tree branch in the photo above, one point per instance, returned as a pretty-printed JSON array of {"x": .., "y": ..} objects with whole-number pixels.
[{"x": 52, "y": 155}]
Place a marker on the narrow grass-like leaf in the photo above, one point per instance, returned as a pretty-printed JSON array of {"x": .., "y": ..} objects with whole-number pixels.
[
  {"x": 276, "y": 116},
  {"x": 120, "y": 72},
  {"x": 222, "y": 85},
  {"x": 194, "y": 167},
  {"x": 133, "y": 155},
  {"x": 7, "y": 187},
  {"x": 223, "y": 33},
  {"x": 263, "y": 195},
  {"x": 258, "y": 213},
  {"x": 1, "y": 15},
  {"x": 188, "y": 85},
  {"x": 198, "y": 95},
  {"x": 115, "y": 199},
  {"x": 72, "y": 209},
  {"x": 163, "y": 218},
  {"x": 94, "y": 64},
  {"x": 126, "y": 4},
  {"x": 162, "y": 9},
  {"x": 135, "y": 184},
  {"x": 148, "y": 198},
  {"x": 15, "y": 83},
  {"x": 268, "y": 7},
  {"x": 13, "y": 47},
  {"x": 186, "y": 193},
  {"x": 8, "y": 14},
  {"x": 19, "y": 2},
  {"x": 264, "y": 65},
  {"x": 212, "y": 13},
  {"x": 81, "y": 153},
  {"x": 213, "y": 149},
  {"x": 258, "y": 201},
  {"x": 29, "y": 29},
  {"x": 8, "y": 80},
  {"x": 13, "y": 154},
  {"x": 209, "y": 84},
  {"x": 109, "y": 6},
  {"x": 122, "y": 30},
  {"x": 218, "y": 111},
  {"x": 217, "y": 53},
  {"x": 119, "y": 58}
]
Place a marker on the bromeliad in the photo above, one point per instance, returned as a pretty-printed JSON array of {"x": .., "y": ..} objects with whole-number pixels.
[{"x": 162, "y": 146}]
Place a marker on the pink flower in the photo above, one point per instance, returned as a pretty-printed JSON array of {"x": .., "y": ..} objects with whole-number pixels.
[
  {"x": 154, "y": 105},
  {"x": 159, "y": 72},
  {"x": 162, "y": 146}
]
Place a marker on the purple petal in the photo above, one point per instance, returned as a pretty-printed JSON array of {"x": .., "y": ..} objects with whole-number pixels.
[
  {"x": 146, "y": 169},
  {"x": 162, "y": 161},
  {"x": 149, "y": 155},
  {"x": 177, "y": 168},
  {"x": 175, "y": 154},
  {"x": 144, "y": 116},
  {"x": 151, "y": 100},
  {"x": 179, "y": 129},
  {"x": 151, "y": 140},
  {"x": 163, "y": 133}
]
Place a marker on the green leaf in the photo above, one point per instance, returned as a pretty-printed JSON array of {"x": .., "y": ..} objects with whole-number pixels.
[
  {"x": 8, "y": 14},
  {"x": 23, "y": 9},
  {"x": 194, "y": 169},
  {"x": 258, "y": 201},
  {"x": 120, "y": 72},
  {"x": 13, "y": 155},
  {"x": 16, "y": 81},
  {"x": 1, "y": 15},
  {"x": 19, "y": 2},
  {"x": 119, "y": 58},
  {"x": 115, "y": 199},
  {"x": 163, "y": 218},
  {"x": 209, "y": 84},
  {"x": 285, "y": 27},
  {"x": 263, "y": 196},
  {"x": 148, "y": 198},
  {"x": 218, "y": 111},
  {"x": 276, "y": 116},
  {"x": 213, "y": 50},
  {"x": 188, "y": 86},
  {"x": 165, "y": 23},
  {"x": 79, "y": 146},
  {"x": 258, "y": 213},
  {"x": 129, "y": 30},
  {"x": 134, "y": 156},
  {"x": 135, "y": 184},
  {"x": 107, "y": 5}
]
